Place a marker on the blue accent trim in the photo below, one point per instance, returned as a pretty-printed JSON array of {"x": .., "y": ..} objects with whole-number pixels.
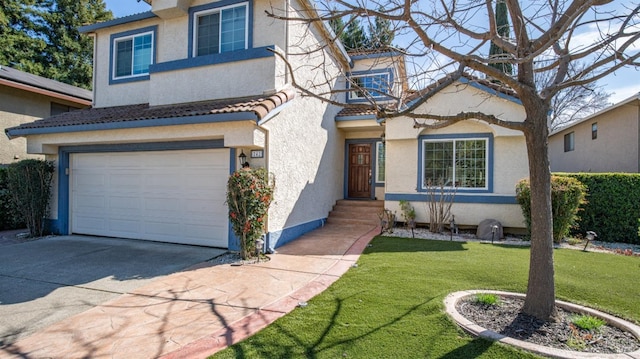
[
  {"x": 214, "y": 5},
  {"x": 390, "y": 80},
  {"x": 489, "y": 90},
  {"x": 488, "y": 136},
  {"x": 372, "y": 142},
  {"x": 118, "y": 21},
  {"x": 215, "y": 59},
  {"x": 133, "y": 78},
  {"x": 169, "y": 121},
  {"x": 286, "y": 235},
  {"x": 376, "y": 55},
  {"x": 459, "y": 198},
  {"x": 64, "y": 152},
  {"x": 233, "y": 241},
  {"x": 356, "y": 118}
]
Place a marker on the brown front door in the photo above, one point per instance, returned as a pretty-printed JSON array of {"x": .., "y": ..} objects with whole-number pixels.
[{"x": 359, "y": 171}]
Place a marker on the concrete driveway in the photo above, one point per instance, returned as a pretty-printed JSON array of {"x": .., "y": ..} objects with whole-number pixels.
[{"x": 47, "y": 280}]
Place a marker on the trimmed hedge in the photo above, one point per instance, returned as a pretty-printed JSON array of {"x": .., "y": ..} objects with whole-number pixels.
[
  {"x": 567, "y": 197},
  {"x": 9, "y": 217},
  {"x": 613, "y": 208}
]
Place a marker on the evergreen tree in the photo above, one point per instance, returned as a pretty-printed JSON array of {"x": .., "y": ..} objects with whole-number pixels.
[
  {"x": 502, "y": 25},
  {"x": 354, "y": 37},
  {"x": 381, "y": 34},
  {"x": 41, "y": 37},
  {"x": 20, "y": 45}
]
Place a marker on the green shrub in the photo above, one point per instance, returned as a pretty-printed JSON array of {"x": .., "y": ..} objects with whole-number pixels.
[
  {"x": 9, "y": 218},
  {"x": 613, "y": 206},
  {"x": 487, "y": 299},
  {"x": 567, "y": 195},
  {"x": 29, "y": 184},
  {"x": 587, "y": 322},
  {"x": 249, "y": 194}
]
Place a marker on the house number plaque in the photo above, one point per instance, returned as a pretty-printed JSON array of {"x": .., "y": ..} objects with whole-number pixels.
[{"x": 257, "y": 153}]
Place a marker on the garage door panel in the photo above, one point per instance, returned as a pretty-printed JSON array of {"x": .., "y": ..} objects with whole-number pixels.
[{"x": 173, "y": 196}]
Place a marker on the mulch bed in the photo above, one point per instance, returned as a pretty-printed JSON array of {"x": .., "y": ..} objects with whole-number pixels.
[{"x": 507, "y": 320}]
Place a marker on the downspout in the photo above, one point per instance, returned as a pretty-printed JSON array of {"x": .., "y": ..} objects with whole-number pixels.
[
  {"x": 287, "y": 3},
  {"x": 267, "y": 239}
]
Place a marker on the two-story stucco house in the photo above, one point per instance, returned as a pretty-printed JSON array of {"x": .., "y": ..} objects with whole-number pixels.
[
  {"x": 24, "y": 98},
  {"x": 181, "y": 92},
  {"x": 607, "y": 141}
]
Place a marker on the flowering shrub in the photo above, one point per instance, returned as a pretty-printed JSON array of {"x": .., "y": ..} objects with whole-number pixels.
[{"x": 249, "y": 194}]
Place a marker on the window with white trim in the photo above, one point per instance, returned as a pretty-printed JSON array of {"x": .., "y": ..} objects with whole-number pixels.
[
  {"x": 132, "y": 55},
  {"x": 369, "y": 85},
  {"x": 380, "y": 156},
  {"x": 220, "y": 30},
  {"x": 461, "y": 163}
]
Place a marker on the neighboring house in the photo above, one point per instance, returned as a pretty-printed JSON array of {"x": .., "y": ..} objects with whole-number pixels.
[
  {"x": 607, "y": 141},
  {"x": 181, "y": 92},
  {"x": 24, "y": 98}
]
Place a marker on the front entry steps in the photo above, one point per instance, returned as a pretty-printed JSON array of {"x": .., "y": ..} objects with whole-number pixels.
[{"x": 356, "y": 212}]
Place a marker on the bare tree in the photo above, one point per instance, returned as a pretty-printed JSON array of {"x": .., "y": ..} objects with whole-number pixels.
[
  {"x": 451, "y": 37},
  {"x": 573, "y": 103}
]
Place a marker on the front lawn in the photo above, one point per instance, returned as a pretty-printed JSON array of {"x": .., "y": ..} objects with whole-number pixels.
[{"x": 390, "y": 306}]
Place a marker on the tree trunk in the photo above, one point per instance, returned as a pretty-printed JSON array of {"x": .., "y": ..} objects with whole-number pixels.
[{"x": 540, "y": 298}]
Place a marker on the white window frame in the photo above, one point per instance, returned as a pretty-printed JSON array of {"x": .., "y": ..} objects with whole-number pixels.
[
  {"x": 454, "y": 167},
  {"x": 353, "y": 93},
  {"x": 132, "y": 37},
  {"x": 198, "y": 14}
]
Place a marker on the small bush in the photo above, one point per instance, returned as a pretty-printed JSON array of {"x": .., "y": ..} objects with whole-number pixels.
[
  {"x": 9, "y": 217},
  {"x": 567, "y": 195},
  {"x": 249, "y": 195},
  {"x": 587, "y": 322},
  {"x": 487, "y": 299},
  {"x": 29, "y": 185}
]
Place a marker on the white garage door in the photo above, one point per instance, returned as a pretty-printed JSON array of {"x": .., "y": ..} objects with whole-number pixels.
[{"x": 168, "y": 196}]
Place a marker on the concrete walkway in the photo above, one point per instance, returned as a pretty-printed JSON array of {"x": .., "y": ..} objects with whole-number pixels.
[{"x": 199, "y": 311}]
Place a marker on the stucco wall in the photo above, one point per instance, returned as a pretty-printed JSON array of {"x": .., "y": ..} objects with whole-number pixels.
[
  {"x": 614, "y": 150},
  {"x": 510, "y": 162},
  {"x": 18, "y": 107},
  {"x": 304, "y": 146},
  {"x": 226, "y": 80}
]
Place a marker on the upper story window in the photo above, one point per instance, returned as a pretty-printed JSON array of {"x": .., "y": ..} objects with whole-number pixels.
[
  {"x": 221, "y": 29},
  {"x": 569, "y": 142},
  {"x": 132, "y": 53},
  {"x": 594, "y": 130},
  {"x": 371, "y": 85}
]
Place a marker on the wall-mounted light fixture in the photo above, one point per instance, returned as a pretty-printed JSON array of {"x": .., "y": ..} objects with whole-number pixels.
[{"x": 242, "y": 158}]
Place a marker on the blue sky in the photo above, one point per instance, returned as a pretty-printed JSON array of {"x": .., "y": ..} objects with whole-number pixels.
[{"x": 623, "y": 84}]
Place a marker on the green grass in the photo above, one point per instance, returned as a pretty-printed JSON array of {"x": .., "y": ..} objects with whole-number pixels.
[{"x": 390, "y": 306}]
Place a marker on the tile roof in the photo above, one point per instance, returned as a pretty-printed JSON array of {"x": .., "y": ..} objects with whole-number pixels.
[
  {"x": 259, "y": 106},
  {"x": 365, "y": 110},
  {"x": 18, "y": 76}
]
